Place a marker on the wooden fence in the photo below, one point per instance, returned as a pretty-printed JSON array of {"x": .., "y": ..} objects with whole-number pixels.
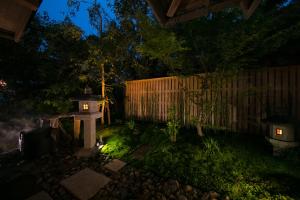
[{"x": 248, "y": 98}]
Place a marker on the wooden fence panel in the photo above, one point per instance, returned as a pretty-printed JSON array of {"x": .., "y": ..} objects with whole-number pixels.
[{"x": 249, "y": 97}]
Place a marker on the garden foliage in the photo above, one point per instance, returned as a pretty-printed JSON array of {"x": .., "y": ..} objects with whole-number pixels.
[{"x": 230, "y": 164}]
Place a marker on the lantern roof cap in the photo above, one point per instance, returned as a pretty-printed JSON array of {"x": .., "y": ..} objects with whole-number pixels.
[{"x": 88, "y": 97}]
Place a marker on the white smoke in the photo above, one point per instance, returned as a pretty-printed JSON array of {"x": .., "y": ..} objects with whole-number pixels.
[{"x": 10, "y": 131}]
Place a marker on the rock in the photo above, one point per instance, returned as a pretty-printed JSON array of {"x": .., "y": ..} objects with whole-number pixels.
[
  {"x": 136, "y": 174},
  {"x": 39, "y": 180},
  {"x": 188, "y": 188},
  {"x": 123, "y": 193},
  {"x": 182, "y": 197},
  {"x": 171, "y": 187},
  {"x": 146, "y": 194},
  {"x": 213, "y": 195},
  {"x": 205, "y": 196},
  {"x": 195, "y": 195}
]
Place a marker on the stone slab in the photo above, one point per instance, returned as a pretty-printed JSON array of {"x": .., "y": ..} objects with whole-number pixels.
[
  {"x": 40, "y": 196},
  {"x": 85, "y": 184},
  {"x": 115, "y": 165}
]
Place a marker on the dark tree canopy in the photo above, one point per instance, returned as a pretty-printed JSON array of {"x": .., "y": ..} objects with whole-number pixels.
[{"x": 55, "y": 60}]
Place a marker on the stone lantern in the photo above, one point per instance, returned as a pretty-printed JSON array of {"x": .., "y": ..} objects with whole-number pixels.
[
  {"x": 88, "y": 112},
  {"x": 282, "y": 137}
]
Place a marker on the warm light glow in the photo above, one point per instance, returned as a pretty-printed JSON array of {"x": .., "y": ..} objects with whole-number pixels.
[
  {"x": 278, "y": 131},
  {"x": 85, "y": 106},
  {"x": 3, "y": 83}
]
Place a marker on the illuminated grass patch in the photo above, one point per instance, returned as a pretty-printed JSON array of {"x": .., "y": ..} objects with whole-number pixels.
[{"x": 116, "y": 146}]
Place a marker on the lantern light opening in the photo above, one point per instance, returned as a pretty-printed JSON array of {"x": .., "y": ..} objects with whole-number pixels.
[
  {"x": 85, "y": 106},
  {"x": 278, "y": 131}
]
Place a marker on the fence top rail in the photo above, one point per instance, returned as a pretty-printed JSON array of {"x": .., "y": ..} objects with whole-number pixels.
[
  {"x": 153, "y": 79},
  {"x": 203, "y": 74}
]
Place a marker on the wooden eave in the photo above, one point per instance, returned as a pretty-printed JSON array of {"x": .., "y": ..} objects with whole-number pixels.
[
  {"x": 171, "y": 12},
  {"x": 14, "y": 17}
]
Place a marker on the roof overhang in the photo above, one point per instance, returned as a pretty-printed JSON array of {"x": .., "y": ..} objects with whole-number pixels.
[
  {"x": 14, "y": 17},
  {"x": 171, "y": 12}
]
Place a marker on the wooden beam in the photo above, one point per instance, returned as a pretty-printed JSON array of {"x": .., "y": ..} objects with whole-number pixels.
[
  {"x": 157, "y": 11},
  {"x": 7, "y": 35},
  {"x": 248, "y": 8},
  {"x": 201, "y": 12},
  {"x": 173, "y": 8},
  {"x": 197, "y": 4},
  {"x": 32, "y": 5},
  {"x": 244, "y": 4},
  {"x": 6, "y": 23},
  {"x": 20, "y": 29},
  {"x": 188, "y": 16},
  {"x": 221, "y": 6}
]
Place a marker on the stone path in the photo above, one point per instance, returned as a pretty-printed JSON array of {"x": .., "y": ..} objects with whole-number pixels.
[
  {"x": 85, "y": 184},
  {"x": 115, "y": 165},
  {"x": 53, "y": 175},
  {"x": 40, "y": 196}
]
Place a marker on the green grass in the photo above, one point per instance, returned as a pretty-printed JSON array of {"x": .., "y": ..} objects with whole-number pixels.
[{"x": 235, "y": 165}]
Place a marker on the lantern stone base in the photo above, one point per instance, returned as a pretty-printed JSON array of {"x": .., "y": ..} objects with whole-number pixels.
[
  {"x": 279, "y": 145},
  {"x": 89, "y": 123},
  {"x": 86, "y": 153}
]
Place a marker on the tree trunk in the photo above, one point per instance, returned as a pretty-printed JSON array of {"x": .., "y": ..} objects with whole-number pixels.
[
  {"x": 173, "y": 138},
  {"x": 102, "y": 81},
  {"x": 102, "y": 94},
  {"x": 108, "y": 111},
  {"x": 200, "y": 130}
]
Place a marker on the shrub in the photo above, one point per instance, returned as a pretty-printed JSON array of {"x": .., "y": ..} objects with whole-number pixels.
[
  {"x": 116, "y": 147},
  {"x": 229, "y": 164},
  {"x": 152, "y": 135},
  {"x": 173, "y": 124},
  {"x": 131, "y": 124},
  {"x": 228, "y": 170}
]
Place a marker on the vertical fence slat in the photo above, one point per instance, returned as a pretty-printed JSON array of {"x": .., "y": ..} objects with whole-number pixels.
[
  {"x": 298, "y": 97},
  {"x": 292, "y": 76}
]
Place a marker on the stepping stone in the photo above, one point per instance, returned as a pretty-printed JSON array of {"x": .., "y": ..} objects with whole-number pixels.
[
  {"x": 40, "y": 196},
  {"x": 140, "y": 152},
  {"x": 115, "y": 165},
  {"x": 85, "y": 184}
]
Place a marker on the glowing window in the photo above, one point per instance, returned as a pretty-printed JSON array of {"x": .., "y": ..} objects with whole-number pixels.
[
  {"x": 85, "y": 106},
  {"x": 278, "y": 131}
]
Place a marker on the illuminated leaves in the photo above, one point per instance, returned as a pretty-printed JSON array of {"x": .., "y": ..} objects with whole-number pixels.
[{"x": 159, "y": 43}]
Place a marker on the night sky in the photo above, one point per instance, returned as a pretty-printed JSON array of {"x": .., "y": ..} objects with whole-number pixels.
[{"x": 57, "y": 9}]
